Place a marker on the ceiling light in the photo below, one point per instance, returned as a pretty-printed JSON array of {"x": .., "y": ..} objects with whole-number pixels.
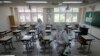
[
  {"x": 0, "y": 1},
  {"x": 72, "y": 2},
  {"x": 36, "y": 2},
  {"x": 7, "y": 1}
]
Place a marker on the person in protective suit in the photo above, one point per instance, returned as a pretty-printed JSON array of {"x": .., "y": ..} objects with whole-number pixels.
[{"x": 61, "y": 40}]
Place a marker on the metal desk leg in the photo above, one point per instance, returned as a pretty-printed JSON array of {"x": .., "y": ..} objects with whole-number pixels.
[
  {"x": 27, "y": 48},
  {"x": 89, "y": 47},
  {"x": 12, "y": 47},
  {"x": 5, "y": 49}
]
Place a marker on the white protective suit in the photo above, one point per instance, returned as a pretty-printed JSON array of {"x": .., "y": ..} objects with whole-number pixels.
[
  {"x": 40, "y": 27},
  {"x": 61, "y": 39}
]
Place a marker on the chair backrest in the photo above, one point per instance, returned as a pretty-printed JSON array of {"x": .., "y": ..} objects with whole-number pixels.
[{"x": 1, "y": 36}]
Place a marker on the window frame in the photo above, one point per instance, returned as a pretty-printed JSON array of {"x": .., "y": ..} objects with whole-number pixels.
[{"x": 66, "y": 12}]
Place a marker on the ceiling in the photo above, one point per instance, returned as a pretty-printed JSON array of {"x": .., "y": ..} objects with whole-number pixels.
[{"x": 53, "y": 2}]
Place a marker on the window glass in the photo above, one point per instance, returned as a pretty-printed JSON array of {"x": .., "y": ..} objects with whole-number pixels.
[
  {"x": 63, "y": 15},
  {"x": 74, "y": 18},
  {"x": 69, "y": 10},
  {"x": 29, "y": 15},
  {"x": 56, "y": 17},
  {"x": 62, "y": 9},
  {"x": 28, "y": 18},
  {"x": 40, "y": 16},
  {"x": 33, "y": 10},
  {"x": 22, "y": 17},
  {"x": 56, "y": 10},
  {"x": 69, "y": 17},
  {"x": 62, "y": 18},
  {"x": 27, "y": 9},
  {"x": 75, "y": 10},
  {"x": 20, "y": 9},
  {"x": 34, "y": 17},
  {"x": 39, "y": 9}
]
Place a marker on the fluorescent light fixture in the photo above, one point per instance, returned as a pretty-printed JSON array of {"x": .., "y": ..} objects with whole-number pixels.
[
  {"x": 0, "y": 1},
  {"x": 72, "y": 2},
  {"x": 36, "y": 2},
  {"x": 7, "y": 1}
]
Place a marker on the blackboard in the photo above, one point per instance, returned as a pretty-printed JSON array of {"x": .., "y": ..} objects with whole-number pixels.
[{"x": 93, "y": 18}]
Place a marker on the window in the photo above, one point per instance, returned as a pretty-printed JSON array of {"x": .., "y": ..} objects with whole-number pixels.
[
  {"x": 34, "y": 17},
  {"x": 22, "y": 18},
  {"x": 56, "y": 9},
  {"x": 62, "y": 18},
  {"x": 33, "y": 10},
  {"x": 56, "y": 17},
  {"x": 69, "y": 17},
  {"x": 30, "y": 15},
  {"x": 63, "y": 15},
  {"x": 40, "y": 15}
]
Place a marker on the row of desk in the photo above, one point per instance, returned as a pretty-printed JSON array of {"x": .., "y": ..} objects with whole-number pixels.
[
  {"x": 26, "y": 39},
  {"x": 28, "y": 26},
  {"x": 88, "y": 38},
  {"x": 7, "y": 40}
]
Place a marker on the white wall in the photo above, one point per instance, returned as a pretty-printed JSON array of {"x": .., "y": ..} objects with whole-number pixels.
[
  {"x": 4, "y": 22},
  {"x": 92, "y": 30}
]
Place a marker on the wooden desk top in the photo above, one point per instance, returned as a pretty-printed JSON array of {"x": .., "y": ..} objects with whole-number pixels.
[
  {"x": 14, "y": 26},
  {"x": 48, "y": 26},
  {"x": 5, "y": 38},
  {"x": 32, "y": 30},
  {"x": 7, "y": 55},
  {"x": 26, "y": 37},
  {"x": 17, "y": 31},
  {"x": 87, "y": 37},
  {"x": 27, "y": 26},
  {"x": 48, "y": 38},
  {"x": 76, "y": 31},
  {"x": 69, "y": 26},
  {"x": 47, "y": 30}
]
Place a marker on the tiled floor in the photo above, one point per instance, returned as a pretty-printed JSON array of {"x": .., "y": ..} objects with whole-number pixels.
[{"x": 36, "y": 51}]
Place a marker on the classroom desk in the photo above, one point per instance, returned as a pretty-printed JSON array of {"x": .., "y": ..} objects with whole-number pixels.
[
  {"x": 48, "y": 27},
  {"x": 7, "y": 55},
  {"x": 26, "y": 26},
  {"x": 26, "y": 39},
  {"x": 33, "y": 34},
  {"x": 6, "y": 40},
  {"x": 16, "y": 32},
  {"x": 48, "y": 38},
  {"x": 76, "y": 33},
  {"x": 47, "y": 30},
  {"x": 70, "y": 27},
  {"x": 2, "y": 33},
  {"x": 14, "y": 27},
  {"x": 89, "y": 39},
  {"x": 32, "y": 31},
  {"x": 67, "y": 25}
]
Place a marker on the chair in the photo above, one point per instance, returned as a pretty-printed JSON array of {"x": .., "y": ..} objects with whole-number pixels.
[
  {"x": 82, "y": 41},
  {"x": 44, "y": 43}
]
